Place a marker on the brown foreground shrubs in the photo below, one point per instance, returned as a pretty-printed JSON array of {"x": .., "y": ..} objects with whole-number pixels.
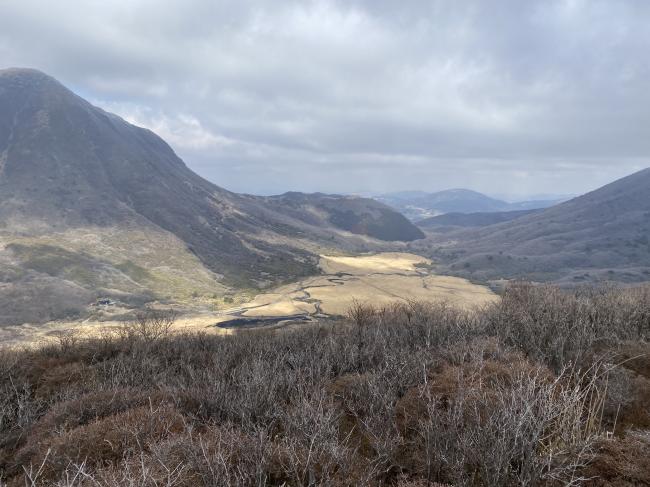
[{"x": 546, "y": 387}]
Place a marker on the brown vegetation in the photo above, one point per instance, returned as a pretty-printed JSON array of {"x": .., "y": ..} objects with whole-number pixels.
[{"x": 542, "y": 388}]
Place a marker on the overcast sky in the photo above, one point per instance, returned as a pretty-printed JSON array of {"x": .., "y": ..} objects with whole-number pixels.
[{"x": 507, "y": 97}]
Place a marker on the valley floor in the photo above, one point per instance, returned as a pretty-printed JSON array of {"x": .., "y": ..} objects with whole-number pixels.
[{"x": 381, "y": 279}]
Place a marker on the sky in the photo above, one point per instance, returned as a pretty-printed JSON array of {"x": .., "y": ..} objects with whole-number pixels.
[{"x": 509, "y": 97}]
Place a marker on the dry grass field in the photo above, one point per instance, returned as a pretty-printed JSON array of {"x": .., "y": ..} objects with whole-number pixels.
[
  {"x": 380, "y": 279},
  {"x": 36, "y": 335}
]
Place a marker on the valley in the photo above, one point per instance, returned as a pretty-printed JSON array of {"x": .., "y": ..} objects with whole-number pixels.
[
  {"x": 324, "y": 244},
  {"x": 382, "y": 279},
  {"x": 93, "y": 209}
]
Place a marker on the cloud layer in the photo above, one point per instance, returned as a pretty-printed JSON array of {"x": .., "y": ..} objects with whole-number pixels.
[{"x": 507, "y": 97}]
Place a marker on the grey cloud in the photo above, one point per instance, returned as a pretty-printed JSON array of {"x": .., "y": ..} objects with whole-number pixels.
[{"x": 363, "y": 95}]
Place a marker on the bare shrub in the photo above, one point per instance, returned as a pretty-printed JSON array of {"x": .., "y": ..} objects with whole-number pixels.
[
  {"x": 412, "y": 393},
  {"x": 88, "y": 408},
  {"x": 66, "y": 340},
  {"x": 561, "y": 327},
  {"x": 501, "y": 423},
  {"x": 149, "y": 325},
  {"x": 107, "y": 440}
]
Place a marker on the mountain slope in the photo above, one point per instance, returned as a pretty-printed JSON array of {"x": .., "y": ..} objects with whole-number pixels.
[
  {"x": 604, "y": 234},
  {"x": 418, "y": 205},
  {"x": 75, "y": 179},
  {"x": 66, "y": 164},
  {"x": 356, "y": 215}
]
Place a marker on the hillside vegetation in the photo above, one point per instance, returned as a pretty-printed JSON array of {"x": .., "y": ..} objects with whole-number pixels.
[
  {"x": 602, "y": 235},
  {"x": 55, "y": 276},
  {"x": 544, "y": 387}
]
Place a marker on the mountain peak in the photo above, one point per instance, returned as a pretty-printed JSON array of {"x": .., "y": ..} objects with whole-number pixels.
[
  {"x": 23, "y": 72},
  {"x": 27, "y": 78}
]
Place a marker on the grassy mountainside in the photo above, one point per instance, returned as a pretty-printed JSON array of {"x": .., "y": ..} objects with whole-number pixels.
[
  {"x": 69, "y": 164},
  {"x": 603, "y": 235},
  {"x": 524, "y": 392},
  {"x": 58, "y": 275},
  {"x": 360, "y": 216}
]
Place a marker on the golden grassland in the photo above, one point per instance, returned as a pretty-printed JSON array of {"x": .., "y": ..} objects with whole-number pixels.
[
  {"x": 34, "y": 335},
  {"x": 379, "y": 279}
]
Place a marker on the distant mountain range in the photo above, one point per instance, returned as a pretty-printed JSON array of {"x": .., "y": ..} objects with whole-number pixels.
[
  {"x": 602, "y": 235},
  {"x": 92, "y": 206},
  {"x": 419, "y": 205},
  {"x": 455, "y": 221}
]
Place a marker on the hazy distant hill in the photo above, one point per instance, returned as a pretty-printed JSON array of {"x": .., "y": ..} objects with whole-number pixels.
[
  {"x": 91, "y": 205},
  {"x": 418, "y": 205},
  {"x": 602, "y": 235},
  {"x": 453, "y": 221}
]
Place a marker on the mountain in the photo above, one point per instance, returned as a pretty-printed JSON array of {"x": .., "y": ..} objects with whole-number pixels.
[
  {"x": 603, "y": 235},
  {"x": 356, "y": 215},
  {"x": 418, "y": 205},
  {"x": 91, "y": 206},
  {"x": 452, "y": 221}
]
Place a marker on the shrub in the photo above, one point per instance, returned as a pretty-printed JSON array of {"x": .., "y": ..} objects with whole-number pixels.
[{"x": 524, "y": 392}]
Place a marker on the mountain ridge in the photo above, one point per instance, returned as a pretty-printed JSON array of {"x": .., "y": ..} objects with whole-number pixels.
[{"x": 601, "y": 235}]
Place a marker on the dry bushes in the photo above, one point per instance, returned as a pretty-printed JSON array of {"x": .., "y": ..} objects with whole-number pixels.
[
  {"x": 621, "y": 461},
  {"x": 105, "y": 441},
  {"x": 502, "y": 421},
  {"x": 149, "y": 325},
  {"x": 407, "y": 395},
  {"x": 558, "y": 327}
]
